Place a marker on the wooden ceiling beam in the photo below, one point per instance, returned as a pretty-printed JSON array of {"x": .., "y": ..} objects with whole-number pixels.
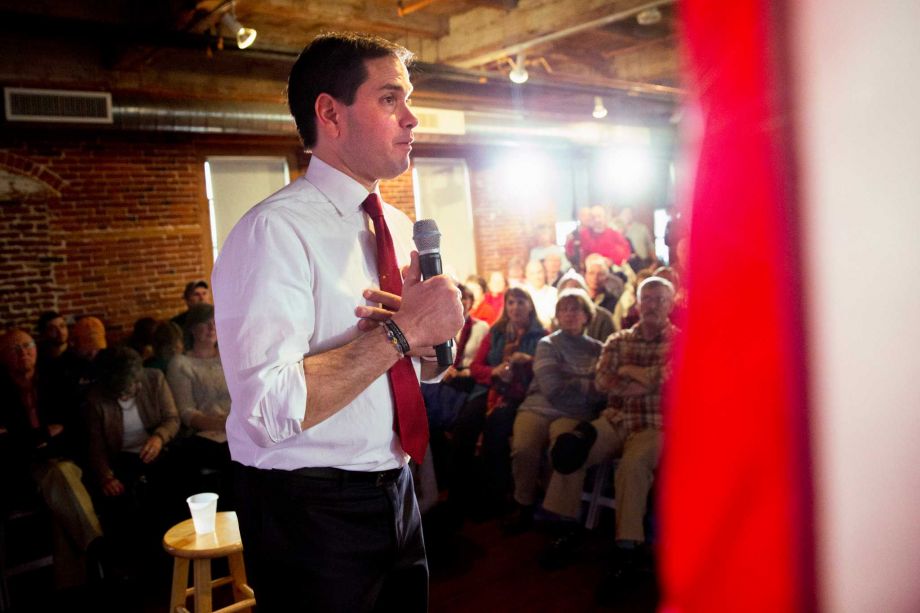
[
  {"x": 523, "y": 28},
  {"x": 366, "y": 15}
]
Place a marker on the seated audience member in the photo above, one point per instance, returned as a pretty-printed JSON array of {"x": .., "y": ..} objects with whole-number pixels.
[
  {"x": 546, "y": 246},
  {"x": 633, "y": 366},
  {"x": 561, "y": 395},
  {"x": 40, "y": 445},
  {"x": 601, "y": 324},
  {"x": 515, "y": 272},
  {"x": 196, "y": 292},
  {"x": 141, "y": 339},
  {"x": 626, "y": 313},
  {"x": 76, "y": 364},
  {"x": 202, "y": 398},
  {"x": 496, "y": 294},
  {"x": 131, "y": 418},
  {"x": 444, "y": 399},
  {"x": 573, "y": 248},
  {"x": 597, "y": 274},
  {"x": 167, "y": 343},
  {"x": 543, "y": 295},
  {"x": 52, "y": 338},
  {"x": 481, "y": 309},
  {"x": 552, "y": 263},
  {"x": 679, "y": 312},
  {"x": 640, "y": 238},
  {"x": 676, "y": 230},
  {"x": 502, "y": 370},
  {"x": 598, "y": 237}
]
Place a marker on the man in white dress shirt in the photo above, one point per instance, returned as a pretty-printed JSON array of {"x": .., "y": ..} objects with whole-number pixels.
[{"x": 326, "y": 504}]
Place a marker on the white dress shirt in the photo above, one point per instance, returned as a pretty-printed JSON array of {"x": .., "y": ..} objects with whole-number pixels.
[{"x": 285, "y": 286}]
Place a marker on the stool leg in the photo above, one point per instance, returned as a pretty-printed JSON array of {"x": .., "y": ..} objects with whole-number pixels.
[
  {"x": 203, "y": 586},
  {"x": 238, "y": 572},
  {"x": 179, "y": 584}
]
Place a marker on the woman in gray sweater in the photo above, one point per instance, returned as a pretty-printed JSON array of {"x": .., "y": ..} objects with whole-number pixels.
[
  {"x": 561, "y": 395},
  {"x": 203, "y": 401}
]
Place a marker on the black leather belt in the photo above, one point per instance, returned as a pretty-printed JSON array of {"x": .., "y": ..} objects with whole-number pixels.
[{"x": 348, "y": 476}]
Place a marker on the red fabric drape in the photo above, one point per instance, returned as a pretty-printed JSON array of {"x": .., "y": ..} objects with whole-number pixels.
[{"x": 735, "y": 480}]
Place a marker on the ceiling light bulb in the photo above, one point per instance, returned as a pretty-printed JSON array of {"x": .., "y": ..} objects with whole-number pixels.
[
  {"x": 518, "y": 73},
  {"x": 600, "y": 111},
  {"x": 244, "y": 36}
]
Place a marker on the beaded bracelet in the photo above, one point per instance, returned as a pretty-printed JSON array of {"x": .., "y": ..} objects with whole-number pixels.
[{"x": 396, "y": 337}]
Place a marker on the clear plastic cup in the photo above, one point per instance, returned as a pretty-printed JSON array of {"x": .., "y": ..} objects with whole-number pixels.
[{"x": 204, "y": 511}]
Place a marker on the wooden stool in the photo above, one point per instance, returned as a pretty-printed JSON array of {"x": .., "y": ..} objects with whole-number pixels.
[{"x": 184, "y": 544}]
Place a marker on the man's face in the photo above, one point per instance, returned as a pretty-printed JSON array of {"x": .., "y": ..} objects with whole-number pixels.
[
  {"x": 17, "y": 352},
  {"x": 595, "y": 276},
  {"x": 199, "y": 296},
  {"x": 553, "y": 264},
  {"x": 655, "y": 304},
  {"x": 56, "y": 331},
  {"x": 497, "y": 283},
  {"x": 535, "y": 275},
  {"x": 598, "y": 219},
  {"x": 376, "y": 130}
]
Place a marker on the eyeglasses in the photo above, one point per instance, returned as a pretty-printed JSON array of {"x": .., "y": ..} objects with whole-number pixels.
[
  {"x": 22, "y": 347},
  {"x": 654, "y": 299}
]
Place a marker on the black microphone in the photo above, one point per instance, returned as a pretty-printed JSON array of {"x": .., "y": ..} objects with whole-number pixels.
[{"x": 428, "y": 242}]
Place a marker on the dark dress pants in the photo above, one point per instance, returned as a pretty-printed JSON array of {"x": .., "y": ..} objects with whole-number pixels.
[{"x": 341, "y": 542}]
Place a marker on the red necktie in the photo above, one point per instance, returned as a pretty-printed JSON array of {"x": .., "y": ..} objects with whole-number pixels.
[{"x": 411, "y": 419}]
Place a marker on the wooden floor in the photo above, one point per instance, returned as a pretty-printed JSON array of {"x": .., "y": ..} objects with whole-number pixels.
[
  {"x": 474, "y": 570},
  {"x": 480, "y": 570}
]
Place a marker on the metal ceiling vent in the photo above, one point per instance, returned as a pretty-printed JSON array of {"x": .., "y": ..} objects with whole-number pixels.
[{"x": 57, "y": 105}]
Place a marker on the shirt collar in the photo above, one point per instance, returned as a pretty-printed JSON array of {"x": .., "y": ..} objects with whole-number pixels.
[{"x": 345, "y": 194}]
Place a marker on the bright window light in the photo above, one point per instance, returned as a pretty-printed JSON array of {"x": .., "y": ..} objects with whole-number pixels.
[
  {"x": 525, "y": 176},
  {"x": 625, "y": 173}
]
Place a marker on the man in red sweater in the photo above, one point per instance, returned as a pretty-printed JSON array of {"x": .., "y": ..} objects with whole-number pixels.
[{"x": 598, "y": 237}]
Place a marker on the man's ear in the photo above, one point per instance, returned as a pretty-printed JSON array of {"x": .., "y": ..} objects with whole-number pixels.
[{"x": 328, "y": 120}]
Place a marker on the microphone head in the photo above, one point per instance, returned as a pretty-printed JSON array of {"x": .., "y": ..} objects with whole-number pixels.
[{"x": 426, "y": 236}]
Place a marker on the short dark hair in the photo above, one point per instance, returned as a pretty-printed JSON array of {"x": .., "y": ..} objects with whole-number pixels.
[
  {"x": 45, "y": 318},
  {"x": 191, "y": 286},
  {"x": 165, "y": 337},
  {"x": 117, "y": 368},
  {"x": 333, "y": 64},
  {"x": 198, "y": 314}
]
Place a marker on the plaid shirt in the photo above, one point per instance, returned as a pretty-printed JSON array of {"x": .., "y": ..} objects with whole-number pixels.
[{"x": 629, "y": 347}]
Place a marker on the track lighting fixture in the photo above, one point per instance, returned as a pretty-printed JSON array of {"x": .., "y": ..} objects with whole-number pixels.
[
  {"x": 244, "y": 36},
  {"x": 518, "y": 73},
  {"x": 600, "y": 111}
]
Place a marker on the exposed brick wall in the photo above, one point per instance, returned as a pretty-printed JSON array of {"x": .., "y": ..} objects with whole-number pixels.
[
  {"x": 127, "y": 232},
  {"x": 399, "y": 193},
  {"x": 504, "y": 224},
  {"x": 123, "y": 224}
]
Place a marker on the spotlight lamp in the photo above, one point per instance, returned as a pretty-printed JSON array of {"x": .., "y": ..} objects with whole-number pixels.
[
  {"x": 600, "y": 111},
  {"x": 518, "y": 73},
  {"x": 244, "y": 36}
]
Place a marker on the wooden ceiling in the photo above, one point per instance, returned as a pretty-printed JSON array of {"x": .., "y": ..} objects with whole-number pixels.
[{"x": 573, "y": 50}]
